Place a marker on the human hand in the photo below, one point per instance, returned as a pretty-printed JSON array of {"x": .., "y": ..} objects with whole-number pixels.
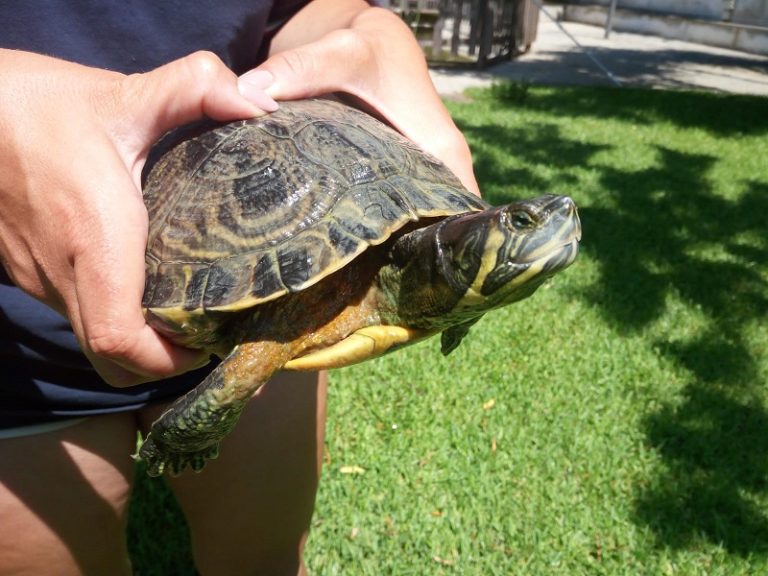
[
  {"x": 73, "y": 226},
  {"x": 375, "y": 59}
]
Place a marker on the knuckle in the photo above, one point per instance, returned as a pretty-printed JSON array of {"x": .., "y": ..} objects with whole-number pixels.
[
  {"x": 349, "y": 42},
  {"x": 203, "y": 66},
  {"x": 356, "y": 51},
  {"x": 310, "y": 63},
  {"x": 108, "y": 342},
  {"x": 28, "y": 281}
]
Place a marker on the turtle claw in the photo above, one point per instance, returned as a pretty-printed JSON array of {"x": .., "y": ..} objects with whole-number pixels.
[{"x": 159, "y": 461}]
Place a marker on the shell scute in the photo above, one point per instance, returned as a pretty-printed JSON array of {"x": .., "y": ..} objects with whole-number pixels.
[
  {"x": 265, "y": 279},
  {"x": 341, "y": 240},
  {"x": 296, "y": 266},
  {"x": 224, "y": 280},
  {"x": 195, "y": 289}
]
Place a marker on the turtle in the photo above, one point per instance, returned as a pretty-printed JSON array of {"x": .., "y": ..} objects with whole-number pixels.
[{"x": 316, "y": 237}]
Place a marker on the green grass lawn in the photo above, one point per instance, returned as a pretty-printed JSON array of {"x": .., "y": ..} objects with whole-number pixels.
[{"x": 615, "y": 423}]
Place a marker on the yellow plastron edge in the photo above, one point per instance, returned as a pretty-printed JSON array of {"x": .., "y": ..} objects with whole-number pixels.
[{"x": 361, "y": 345}]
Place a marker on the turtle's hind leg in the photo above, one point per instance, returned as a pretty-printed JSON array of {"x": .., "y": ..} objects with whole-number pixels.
[{"x": 189, "y": 432}]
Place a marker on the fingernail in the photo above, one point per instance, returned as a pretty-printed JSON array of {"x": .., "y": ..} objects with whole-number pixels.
[{"x": 251, "y": 86}]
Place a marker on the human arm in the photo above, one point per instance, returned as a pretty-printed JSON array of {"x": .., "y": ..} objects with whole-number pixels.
[
  {"x": 73, "y": 142},
  {"x": 369, "y": 53}
]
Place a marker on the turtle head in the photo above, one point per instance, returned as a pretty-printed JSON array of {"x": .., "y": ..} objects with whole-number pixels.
[{"x": 501, "y": 255}]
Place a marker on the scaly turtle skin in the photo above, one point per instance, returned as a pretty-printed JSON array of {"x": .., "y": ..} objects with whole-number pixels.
[{"x": 316, "y": 237}]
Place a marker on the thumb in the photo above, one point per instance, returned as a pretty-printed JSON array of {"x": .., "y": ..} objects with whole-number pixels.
[
  {"x": 314, "y": 69},
  {"x": 196, "y": 86}
]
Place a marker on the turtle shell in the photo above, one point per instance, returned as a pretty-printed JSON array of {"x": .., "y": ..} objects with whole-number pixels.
[{"x": 255, "y": 209}]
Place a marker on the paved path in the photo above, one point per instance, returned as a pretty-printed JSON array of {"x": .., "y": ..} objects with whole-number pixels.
[{"x": 568, "y": 53}]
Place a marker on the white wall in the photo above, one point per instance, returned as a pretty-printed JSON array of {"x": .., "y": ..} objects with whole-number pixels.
[
  {"x": 754, "y": 12},
  {"x": 704, "y": 9}
]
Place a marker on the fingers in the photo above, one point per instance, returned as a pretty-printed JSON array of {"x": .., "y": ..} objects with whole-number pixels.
[
  {"x": 375, "y": 72},
  {"x": 108, "y": 305},
  {"x": 73, "y": 226},
  {"x": 328, "y": 65},
  {"x": 252, "y": 86},
  {"x": 185, "y": 90},
  {"x": 104, "y": 291},
  {"x": 121, "y": 374},
  {"x": 105, "y": 309},
  {"x": 195, "y": 86}
]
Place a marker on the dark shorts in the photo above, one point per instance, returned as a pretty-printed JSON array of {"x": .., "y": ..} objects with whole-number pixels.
[{"x": 45, "y": 377}]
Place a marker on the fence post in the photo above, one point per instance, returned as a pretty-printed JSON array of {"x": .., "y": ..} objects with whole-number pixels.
[{"x": 609, "y": 20}]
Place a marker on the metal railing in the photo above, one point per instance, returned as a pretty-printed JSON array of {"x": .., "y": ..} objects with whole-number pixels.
[{"x": 475, "y": 32}]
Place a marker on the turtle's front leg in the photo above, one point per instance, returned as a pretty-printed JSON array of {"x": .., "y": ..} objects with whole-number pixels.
[{"x": 189, "y": 432}]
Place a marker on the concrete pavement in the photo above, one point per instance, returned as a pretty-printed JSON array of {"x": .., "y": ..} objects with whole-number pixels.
[{"x": 568, "y": 53}]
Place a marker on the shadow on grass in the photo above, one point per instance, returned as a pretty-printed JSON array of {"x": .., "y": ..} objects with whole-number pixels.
[
  {"x": 669, "y": 235},
  {"x": 718, "y": 114},
  {"x": 158, "y": 535},
  {"x": 659, "y": 234},
  {"x": 535, "y": 144}
]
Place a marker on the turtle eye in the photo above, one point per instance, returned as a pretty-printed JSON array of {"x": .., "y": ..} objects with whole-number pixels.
[{"x": 521, "y": 220}]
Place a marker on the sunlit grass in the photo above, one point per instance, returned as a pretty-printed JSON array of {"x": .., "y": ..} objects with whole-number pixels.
[{"x": 616, "y": 422}]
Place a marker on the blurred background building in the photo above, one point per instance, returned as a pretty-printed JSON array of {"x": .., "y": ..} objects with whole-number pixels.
[{"x": 470, "y": 31}]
